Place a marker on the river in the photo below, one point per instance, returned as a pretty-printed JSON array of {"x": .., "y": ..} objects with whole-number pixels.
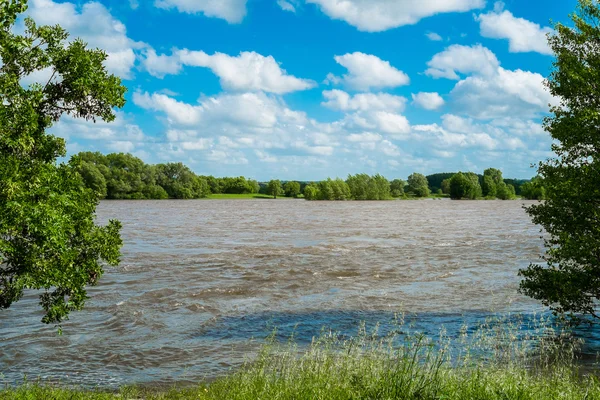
[{"x": 201, "y": 283}]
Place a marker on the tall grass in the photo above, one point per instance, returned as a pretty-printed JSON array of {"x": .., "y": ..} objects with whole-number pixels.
[{"x": 501, "y": 360}]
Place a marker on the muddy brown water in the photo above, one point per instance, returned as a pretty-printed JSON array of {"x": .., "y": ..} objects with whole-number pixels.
[{"x": 201, "y": 283}]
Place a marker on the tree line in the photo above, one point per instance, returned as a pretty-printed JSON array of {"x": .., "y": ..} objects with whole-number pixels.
[{"x": 124, "y": 176}]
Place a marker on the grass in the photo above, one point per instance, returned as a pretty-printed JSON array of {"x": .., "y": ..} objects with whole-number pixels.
[{"x": 498, "y": 362}]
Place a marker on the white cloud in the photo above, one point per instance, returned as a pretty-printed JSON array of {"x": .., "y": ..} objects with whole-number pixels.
[
  {"x": 458, "y": 132},
  {"x": 241, "y": 121},
  {"x": 462, "y": 59},
  {"x": 490, "y": 91},
  {"x": 93, "y": 23},
  {"x": 340, "y": 100},
  {"x": 121, "y": 135},
  {"x": 523, "y": 35},
  {"x": 507, "y": 93},
  {"x": 428, "y": 100},
  {"x": 287, "y": 5},
  {"x": 160, "y": 65},
  {"x": 393, "y": 124},
  {"x": 232, "y": 11},
  {"x": 366, "y": 71},
  {"x": 434, "y": 37},
  {"x": 249, "y": 71},
  {"x": 380, "y": 15},
  {"x": 365, "y": 137}
]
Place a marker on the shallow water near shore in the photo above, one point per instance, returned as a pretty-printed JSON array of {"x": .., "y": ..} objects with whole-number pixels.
[{"x": 202, "y": 283}]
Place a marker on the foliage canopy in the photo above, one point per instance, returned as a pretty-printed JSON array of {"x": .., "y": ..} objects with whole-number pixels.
[
  {"x": 48, "y": 238},
  {"x": 569, "y": 282}
]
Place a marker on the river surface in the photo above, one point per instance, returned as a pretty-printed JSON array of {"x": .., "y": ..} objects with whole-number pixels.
[{"x": 202, "y": 283}]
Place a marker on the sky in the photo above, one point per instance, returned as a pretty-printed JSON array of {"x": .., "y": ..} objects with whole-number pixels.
[{"x": 309, "y": 89}]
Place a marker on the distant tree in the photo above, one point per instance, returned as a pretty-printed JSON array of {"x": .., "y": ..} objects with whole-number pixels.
[
  {"x": 291, "y": 189},
  {"x": 214, "y": 184},
  {"x": 274, "y": 188},
  {"x": 465, "y": 186},
  {"x": 474, "y": 188},
  {"x": 340, "y": 189},
  {"x": 435, "y": 180},
  {"x": 534, "y": 190},
  {"x": 180, "y": 182},
  {"x": 459, "y": 186},
  {"x": 310, "y": 192},
  {"x": 359, "y": 187},
  {"x": 418, "y": 185},
  {"x": 397, "y": 187},
  {"x": 92, "y": 178},
  {"x": 505, "y": 192},
  {"x": 489, "y": 187},
  {"x": 254, "y": 186},
  {"x": 492, "y": 181},
  {"x": 49, "y": 239},
  {"x": 383, "y": 187},
  {"x": 446, "y": 186}
]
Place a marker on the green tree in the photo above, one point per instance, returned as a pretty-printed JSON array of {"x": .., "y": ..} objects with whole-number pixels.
[
  {"x": 180, "y": 182},
  {"x": 445, "y": 185},
  {"x": 397, "y": 187},
  {"x": 489, "y": 187},
  {"x": 274, "y": 188},
  {"x": 48, "y": 238},
  {"x": 492, "y": 180},
  {"x": 569, "y": 282},
  {"x": 310, "y": 192},
  {"x": 291, "y": 189},
  {"x": 435, "y": 180},
  {"x": 474, "y": 188},
  {"x": 505, "y": 192},
  {"x": 254, "y": 186},
  {"x": 92, "y": 178},
  {"x": 534, "y": 190},
  {"x": 459, "y": 186},
  {"x": 418, "y": 185}
]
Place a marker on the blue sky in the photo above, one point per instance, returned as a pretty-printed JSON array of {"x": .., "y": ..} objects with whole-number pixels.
[{"x": 306, "y": 89}]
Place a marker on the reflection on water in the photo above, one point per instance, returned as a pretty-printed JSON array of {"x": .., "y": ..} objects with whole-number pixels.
[{"x": 200, "y": 279}]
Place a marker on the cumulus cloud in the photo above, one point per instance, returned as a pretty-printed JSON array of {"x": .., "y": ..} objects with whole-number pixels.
[
  {"x": 93, "y": 23},
  {"x": 428, "y": 100},
  {"x": 232, "y": 11},
  {"x": 518, "y": 93},
  {"x": 381, "y": 15},
  {"x": 249, "y": 71},
  {"x": 434, "y": 37},
  {"x": 288, "y": 5},
  {"x": 160, "y": 65},
  {"x": 522, "y": 35},
  {"x": 342, "y": 101},
  {"x": 462, "y": 59},
  {"x": 457, "y": 132},
  {"x": 242, "y": 121},
  {"x": 490, "y": 91},
  {"x": 366, "y": 72}
]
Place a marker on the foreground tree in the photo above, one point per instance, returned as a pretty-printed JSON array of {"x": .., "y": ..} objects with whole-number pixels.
[
  {"x": 570, "y": 281},
  {"x": 48, "y": 239}
]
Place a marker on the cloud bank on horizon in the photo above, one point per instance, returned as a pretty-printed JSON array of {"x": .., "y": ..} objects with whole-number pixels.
[{"x": 306, "y": 89}]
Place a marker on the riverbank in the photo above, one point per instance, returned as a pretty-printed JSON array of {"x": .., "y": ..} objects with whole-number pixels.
[
  {"x": 497, "y": 361},
  {"x": 413, "y": 373}
]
